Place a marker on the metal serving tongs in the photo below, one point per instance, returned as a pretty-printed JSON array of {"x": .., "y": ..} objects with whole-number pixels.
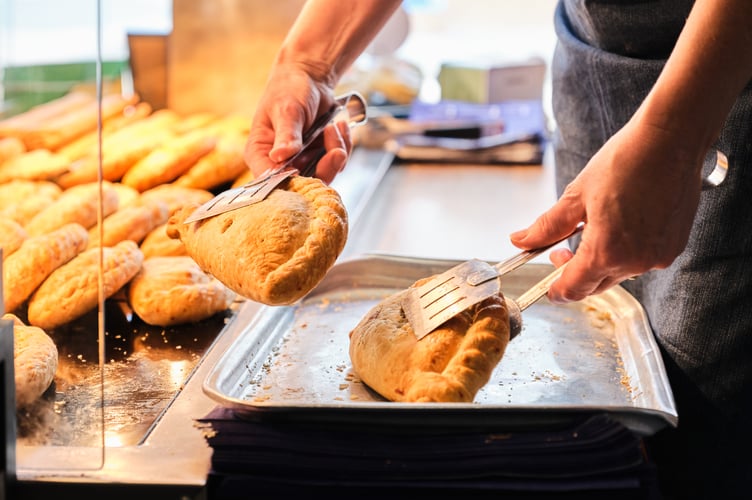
[
  {"x": 352, "y": 105},
  {"x": 451, "y": 292}
]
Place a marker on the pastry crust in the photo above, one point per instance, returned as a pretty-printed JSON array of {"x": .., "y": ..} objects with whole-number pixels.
[
  {"x": 222, "y": 165},
  {"x": 174, "y": 290},
  {"x": 35, "y": 360},
  {"x": 10, "y": 147},
  {"x": 451, "y": 364},
  {"x": 130, "y": 223},
  {"x": 26, "y": 269},
  {"x": 170, "y": 160},
  {"x": 73, "y": 289},
  {"x": 36, "y": 165},
  {"x": 78, "y": 204},
  {"x": 126, "y": 195},
  {"x": 17, "y": 191},
  {"x": 274, "y": 251},
  {"x": 244, "y": 178},
  {"x": 176, "y": 196},
  {"x": 26, "y": 125},
  {"x": 88, "y": 144},
  {"x": 158, "y": 244},
  {"x": 21, "y": 200},
  {"x": 67, "y": 127},
  {"x": 12, "y": 235},
  {"x": 122, "y": 149}
]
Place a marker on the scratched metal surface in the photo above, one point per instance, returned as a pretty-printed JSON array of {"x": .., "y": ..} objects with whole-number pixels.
[{"x": 596, "y": 355}]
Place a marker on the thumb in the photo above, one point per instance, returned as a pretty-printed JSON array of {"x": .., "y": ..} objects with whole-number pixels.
[
  {"x": 553, "y": 225},
  {"x": 288, "y": 133}
]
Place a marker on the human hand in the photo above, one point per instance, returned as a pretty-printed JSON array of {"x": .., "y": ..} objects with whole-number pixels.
[
  {"x": 637, "y": 196},
  {"x": 289, "y": 105}
]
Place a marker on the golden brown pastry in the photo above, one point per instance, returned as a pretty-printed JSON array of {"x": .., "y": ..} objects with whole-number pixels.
[
  {"x": 88, "y": 144},
  {"x": 18, "y": 191},
  {"x": 174, "y": 290},
  {"x": 10, "y": 147},
  {"x": 37, "y": 257},
  {"x": 194, "y": 121},
  {"x": 244, "y": 178},
  {"x": 62, "y": 129},
  {"x": 122, "y": 149},
  {"x": 12, "y": 235},
  {"x": 130, "y": 223},
  {"x": 451, "y": 364},
  {"x": 274, "y": 251},
  {"x": 72, "y": 289},
  {"x": 78, "y": 204},
  {"x": 25, "y": 125},
  {"x": 170, "y": 160},
  {"x": 36, "y": 165},
  {"x": 220, "y": 166},
  {"x": 176, "y": 196},
  {"x": 126, "y": 195},
  {"x": 35, "y": 359},
  {"x": 22, "y": 212},
  {"x": 158, "y": 244}
]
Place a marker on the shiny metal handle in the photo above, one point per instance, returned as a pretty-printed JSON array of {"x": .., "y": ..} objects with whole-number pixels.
[
  {"x": 354, "y": 108},
  {"x": 526, "y": 256},
  {"x": 538, "y": 290}
]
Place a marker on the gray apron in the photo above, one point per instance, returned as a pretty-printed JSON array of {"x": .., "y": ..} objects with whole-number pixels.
[{"x": 700, "y": 308}]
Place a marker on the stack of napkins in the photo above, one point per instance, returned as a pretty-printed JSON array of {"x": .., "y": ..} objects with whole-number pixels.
[{"x": 591, "y": 456}]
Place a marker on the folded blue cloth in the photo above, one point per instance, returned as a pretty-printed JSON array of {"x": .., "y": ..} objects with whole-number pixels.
[{"x": 591, "y": 453}]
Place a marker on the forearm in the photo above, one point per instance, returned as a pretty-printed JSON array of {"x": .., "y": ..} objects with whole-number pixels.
[
  {"x": 329, "y": 35},
  {"x": 709, "y": 67}
]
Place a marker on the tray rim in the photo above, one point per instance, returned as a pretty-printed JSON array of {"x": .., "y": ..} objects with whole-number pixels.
[{"x": 643, "y": 421}]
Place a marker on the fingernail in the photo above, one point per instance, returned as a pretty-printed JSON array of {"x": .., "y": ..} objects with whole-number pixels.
[
  {"x": 278, "y": 152},
  {"x": 519, "y": 235},
  {"x": 556, "y": 299}
]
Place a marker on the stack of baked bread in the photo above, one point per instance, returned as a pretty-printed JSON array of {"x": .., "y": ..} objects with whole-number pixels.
[{"x": 157, "y": 167}]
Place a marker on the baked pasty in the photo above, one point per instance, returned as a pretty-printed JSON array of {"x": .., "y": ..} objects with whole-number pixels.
[
  {"x": 36, "y": 165},
  {"x": 12, "y": 235},
  {"x": 37, "y": 257},
  {"x": 35, "y": 360},
  {"x": 174, "y": 290},
  {"x": 170, "y": 160},
  {"x": 176, "y": 196},
  {"x": 274, "y": 251},
  {"x": 133, "y": 222},
  {"x": 158, "y": 244},
  {"x": 451, "y": 364},
  {"x": 78, "y": 204},
  {"x": 17, "y": 191},
  {"x": 221, "y": 165},
  {"x": 122, "y": 149},
  {"x": 22, "y": 200},
  {"x": 73, "y": 289}
]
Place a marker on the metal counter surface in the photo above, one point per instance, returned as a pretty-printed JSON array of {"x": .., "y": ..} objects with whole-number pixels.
[{"x": 433, "y": 211}]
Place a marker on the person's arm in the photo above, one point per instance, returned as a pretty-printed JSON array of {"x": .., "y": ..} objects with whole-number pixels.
[
  {"x": 324, "y": 41},
  {"x": 329, "y": 35},
  {"x": 709, "y": 67},
  {"x": 639, "y": 194}
]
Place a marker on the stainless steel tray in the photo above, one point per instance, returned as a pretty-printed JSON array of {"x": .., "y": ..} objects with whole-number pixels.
[{"x": 597, "y": 355}]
